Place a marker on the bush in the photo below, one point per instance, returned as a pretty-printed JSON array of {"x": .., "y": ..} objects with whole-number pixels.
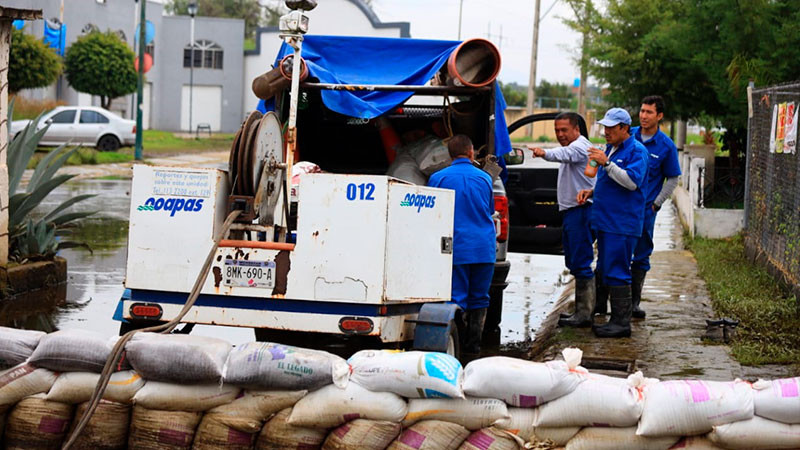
[
  {"x": 26, "y": 108},
  {"x": 31, "y": 63}
]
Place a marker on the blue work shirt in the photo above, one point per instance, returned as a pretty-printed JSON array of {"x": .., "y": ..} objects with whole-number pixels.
[
  {"x": 662, "y": 164},
  {"x": 474, "y": 237},
  {"x": 617, "y": 209}
]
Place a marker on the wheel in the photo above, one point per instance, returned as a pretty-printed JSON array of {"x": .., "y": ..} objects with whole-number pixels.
[
  {"x": 108, "y": 143},
  {"x": 453, "y": 345}
]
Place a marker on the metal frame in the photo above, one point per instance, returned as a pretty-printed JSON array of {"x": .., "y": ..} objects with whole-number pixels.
[{"x": 426, "y": 90}]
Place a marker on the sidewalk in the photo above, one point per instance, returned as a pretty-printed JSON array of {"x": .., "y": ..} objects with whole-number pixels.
[{"x": 668, "y": 344}]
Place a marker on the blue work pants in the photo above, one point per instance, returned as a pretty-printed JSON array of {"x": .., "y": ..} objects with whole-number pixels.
[
  {"x": 471, "y": 285},
  {"x": 644, "y": 247},
  {"x": 614, "y": 252},
  {"x": 577, "y": 239}
]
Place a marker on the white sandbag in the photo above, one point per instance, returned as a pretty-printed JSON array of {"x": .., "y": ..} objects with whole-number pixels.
[
  {"x": 107, "y": 429},
  {"x": 471, "y": 413},
  {"x": 430, "y": 435},
  {"x": 78, "y": 387},
  {"x": 598, "y": 401},
  {"x": 778, "y": 399},
  {"x": 184, "y": 397},
  {"x": 212, "y": 435},
  {"x": 490, "y": 439},
  {"x": 603, "y": 438},
  {"x": 72, "y": 351},
  {"x": 687, "y": 408},
  {"x": 526, "y": 384},
  {"x": 16, "y": 346},
  {"x": 558, "y": 436},
  {"x": 695, "y": 443},
  {"x": 164, "y": 430},
  {"x": 405, "y": 168},
  {"x": 177, "y": 358},
  {"x": 431, "y": 155},
  {"x": 278, "y": 433},
  {"x": 332, "y": 406},
  {"x": 519, "y": 422},
  {"x": 755, "y": 434},
  {"x": 22, "y": 381},
  {"x": 410, "y": 374},
  {"x": 266, "y": 365},
  {"x": 249, "y": 412},
  {"x": 36, "y": 423},
  {"x": 362, "y": 434}
]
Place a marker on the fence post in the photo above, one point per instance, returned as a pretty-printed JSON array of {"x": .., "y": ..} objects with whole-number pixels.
[
  {"x": 748, "y": 153},
  {"x": 700, "y": 182}
]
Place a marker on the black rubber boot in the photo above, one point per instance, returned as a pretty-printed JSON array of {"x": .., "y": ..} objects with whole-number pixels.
[
  {"x": 584, "y": 305},
  {"x": 601, "y": 295},
  {"x": 619, "y": 325},
  {"x": 637, "y": 284},
  {"x": 475, "y": 321}
]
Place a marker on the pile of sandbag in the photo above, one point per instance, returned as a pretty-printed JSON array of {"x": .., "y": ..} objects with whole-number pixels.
[
  {"x": 189, "y": 392},
  {"x": 417, "y": 161}
]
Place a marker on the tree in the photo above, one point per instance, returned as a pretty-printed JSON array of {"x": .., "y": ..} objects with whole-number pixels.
[
  {"x": 101, "y": 64},
  {"x": 248, "y": 10},
  {"x": 514, "y": 94},
  {"x": 32, "y": 63}
]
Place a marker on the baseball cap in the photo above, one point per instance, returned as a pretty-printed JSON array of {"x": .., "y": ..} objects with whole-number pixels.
[{"x": 615, "y": 116}]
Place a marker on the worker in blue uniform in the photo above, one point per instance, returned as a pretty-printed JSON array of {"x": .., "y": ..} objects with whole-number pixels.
[
  {"x": 577, "y": 238},
  {"x": 474, "y": 237},
  {"x": 617, "y": 214},
  {"x": 662, "y": 177}
]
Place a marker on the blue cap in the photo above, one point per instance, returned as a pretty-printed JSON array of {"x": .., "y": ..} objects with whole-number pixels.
[{"x": 615, "y": 116}]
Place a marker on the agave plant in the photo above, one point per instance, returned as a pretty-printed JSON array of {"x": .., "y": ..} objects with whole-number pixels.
[{"x": 32, "y": 238}]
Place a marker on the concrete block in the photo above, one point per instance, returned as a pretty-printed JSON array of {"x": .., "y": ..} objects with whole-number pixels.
[
  {"x": 680, "y": 196},
  {"x": 718, "y": 223}
]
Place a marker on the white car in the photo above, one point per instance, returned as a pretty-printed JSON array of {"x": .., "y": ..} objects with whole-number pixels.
[{"x": 85, "y": 125}]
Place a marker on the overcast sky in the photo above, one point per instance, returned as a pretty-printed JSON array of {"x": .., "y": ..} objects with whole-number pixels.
[{"x": 513, "y": 19}]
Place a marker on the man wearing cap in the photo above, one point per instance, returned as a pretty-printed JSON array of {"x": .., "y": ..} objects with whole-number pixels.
[
  {"x": 617, "y": 214},
  {"x": 662, "y": 177},
  {"x": 577, "y": 238}
]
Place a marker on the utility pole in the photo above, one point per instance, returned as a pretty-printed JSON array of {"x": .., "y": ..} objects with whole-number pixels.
[
  {"x": 584, "y": 44},
  {"x": 140, "y": 81},
  {"x": 534, "y": 51},
  {"x": 460, "y": 11}
]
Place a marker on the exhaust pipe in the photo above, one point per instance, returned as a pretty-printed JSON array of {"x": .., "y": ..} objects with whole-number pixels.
[
  {"x": 267, "y": 85},
  {"x": 474, "y": 63}
]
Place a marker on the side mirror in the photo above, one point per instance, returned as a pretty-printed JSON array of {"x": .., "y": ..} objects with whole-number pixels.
[
  {"x": 515, "y": 157},
  {"x": 48, "y": 121}
]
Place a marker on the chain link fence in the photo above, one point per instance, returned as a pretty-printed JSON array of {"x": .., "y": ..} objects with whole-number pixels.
[{"x": 772, "y": 191}]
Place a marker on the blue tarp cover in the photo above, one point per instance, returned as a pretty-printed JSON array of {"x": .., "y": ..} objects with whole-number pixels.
[
  {"x": 395, "y": 61},
  {"x": 55, "y": 36}
]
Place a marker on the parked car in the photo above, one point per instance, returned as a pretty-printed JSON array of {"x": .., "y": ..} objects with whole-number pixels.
[{"x": 86, "y": 125}]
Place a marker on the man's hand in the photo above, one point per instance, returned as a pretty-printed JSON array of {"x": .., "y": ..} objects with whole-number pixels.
[
  {"x": 598, "y": 155},
  {"x": 537, "y": 152},
  {"x": 584, "y": 195}
]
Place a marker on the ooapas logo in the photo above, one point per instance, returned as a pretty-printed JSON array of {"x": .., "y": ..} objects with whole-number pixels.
[
  {"x": 419, "y": 200},
  {"x": 173, "y": 205}
]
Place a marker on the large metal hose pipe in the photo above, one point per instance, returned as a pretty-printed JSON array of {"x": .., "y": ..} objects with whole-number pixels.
[
  {"x": 474, "y": 63},
  {"x": 266, "y": 85}
]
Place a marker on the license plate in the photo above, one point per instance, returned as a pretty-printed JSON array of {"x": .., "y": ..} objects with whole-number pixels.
[{"x": 246, "y": 273}]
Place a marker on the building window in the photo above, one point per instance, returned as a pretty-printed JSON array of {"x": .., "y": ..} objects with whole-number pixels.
[
  {"x": 150, "y": 49},
  {"x": 207, "y": 55}
]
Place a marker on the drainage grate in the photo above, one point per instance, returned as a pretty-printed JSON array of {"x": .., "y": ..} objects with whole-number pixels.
[{"x": 615, "y": 367}]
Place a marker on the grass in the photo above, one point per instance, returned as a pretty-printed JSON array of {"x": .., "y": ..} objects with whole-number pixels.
[
  {"x": 769, "y": 328},
  {"x": 83, "y": 156},
  {"x": 696, "y": 139},
  {"x": 156, "y": 142}
]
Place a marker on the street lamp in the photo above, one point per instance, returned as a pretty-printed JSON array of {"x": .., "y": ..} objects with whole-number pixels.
[{"x": 192, "y": 8}]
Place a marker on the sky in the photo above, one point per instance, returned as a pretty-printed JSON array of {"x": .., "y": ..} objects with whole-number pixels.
[{"x": 509, "y": 24}]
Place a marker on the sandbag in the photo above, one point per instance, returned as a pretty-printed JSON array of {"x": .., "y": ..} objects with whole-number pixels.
[
  {"x": 177, "y": 358},
  {"x": 106, "y": 430},
  {"x": 778, "y": 399},
  {"x": 471, "y": 413},
  {"x": 405, "y": 168},
  {"x": 603, "y": 438},
  {"x": 558, "y": 436},
  {"x": 431, "y": 155},
  {"x": 331, "y": 406},
  {"x": 687, "y": 408},
  {"x": 519, "y": 422},
  {"x": 249, "y": 411},
  {"x": 16, "y": 346},
  {"x": 410, "y": 374},
  {"x": 755, "y": 434},
  {"x": 212, "y": 434},
  {"x": 430, "y": 435},
  {"x": 266, "y": 365},
  {"x": 278, "y": 433},
  {"x": 22, "y": 381},
  {"x": 490, "y": 439},
  {"x": 598, "y": 401},
  {"x": 72, "y": 351},
  {"x": 78, "y": 387},
  {"x": 695, "y": 443},
  {"x": 36, "y": 423},
  {"x": 526, "y": 384},
  {"x": 165, "y": 430},
  {"x": 184, "y": 397},
  {"x": 362, "y": 434}
]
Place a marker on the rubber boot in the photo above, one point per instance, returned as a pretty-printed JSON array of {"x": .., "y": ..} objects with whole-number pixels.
[
  {"x": 475, "y": 321},
  {"x": 637, "y": 284},
  {"x": 584, "y": 304},
  {"x": 601, "y": 296},
  {"x": 619, "y": 325}
]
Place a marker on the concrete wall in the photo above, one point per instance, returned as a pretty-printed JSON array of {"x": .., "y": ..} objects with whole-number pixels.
[
  {"x": 718, "y": 223},
  {"x": 330, "y": 17}
]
